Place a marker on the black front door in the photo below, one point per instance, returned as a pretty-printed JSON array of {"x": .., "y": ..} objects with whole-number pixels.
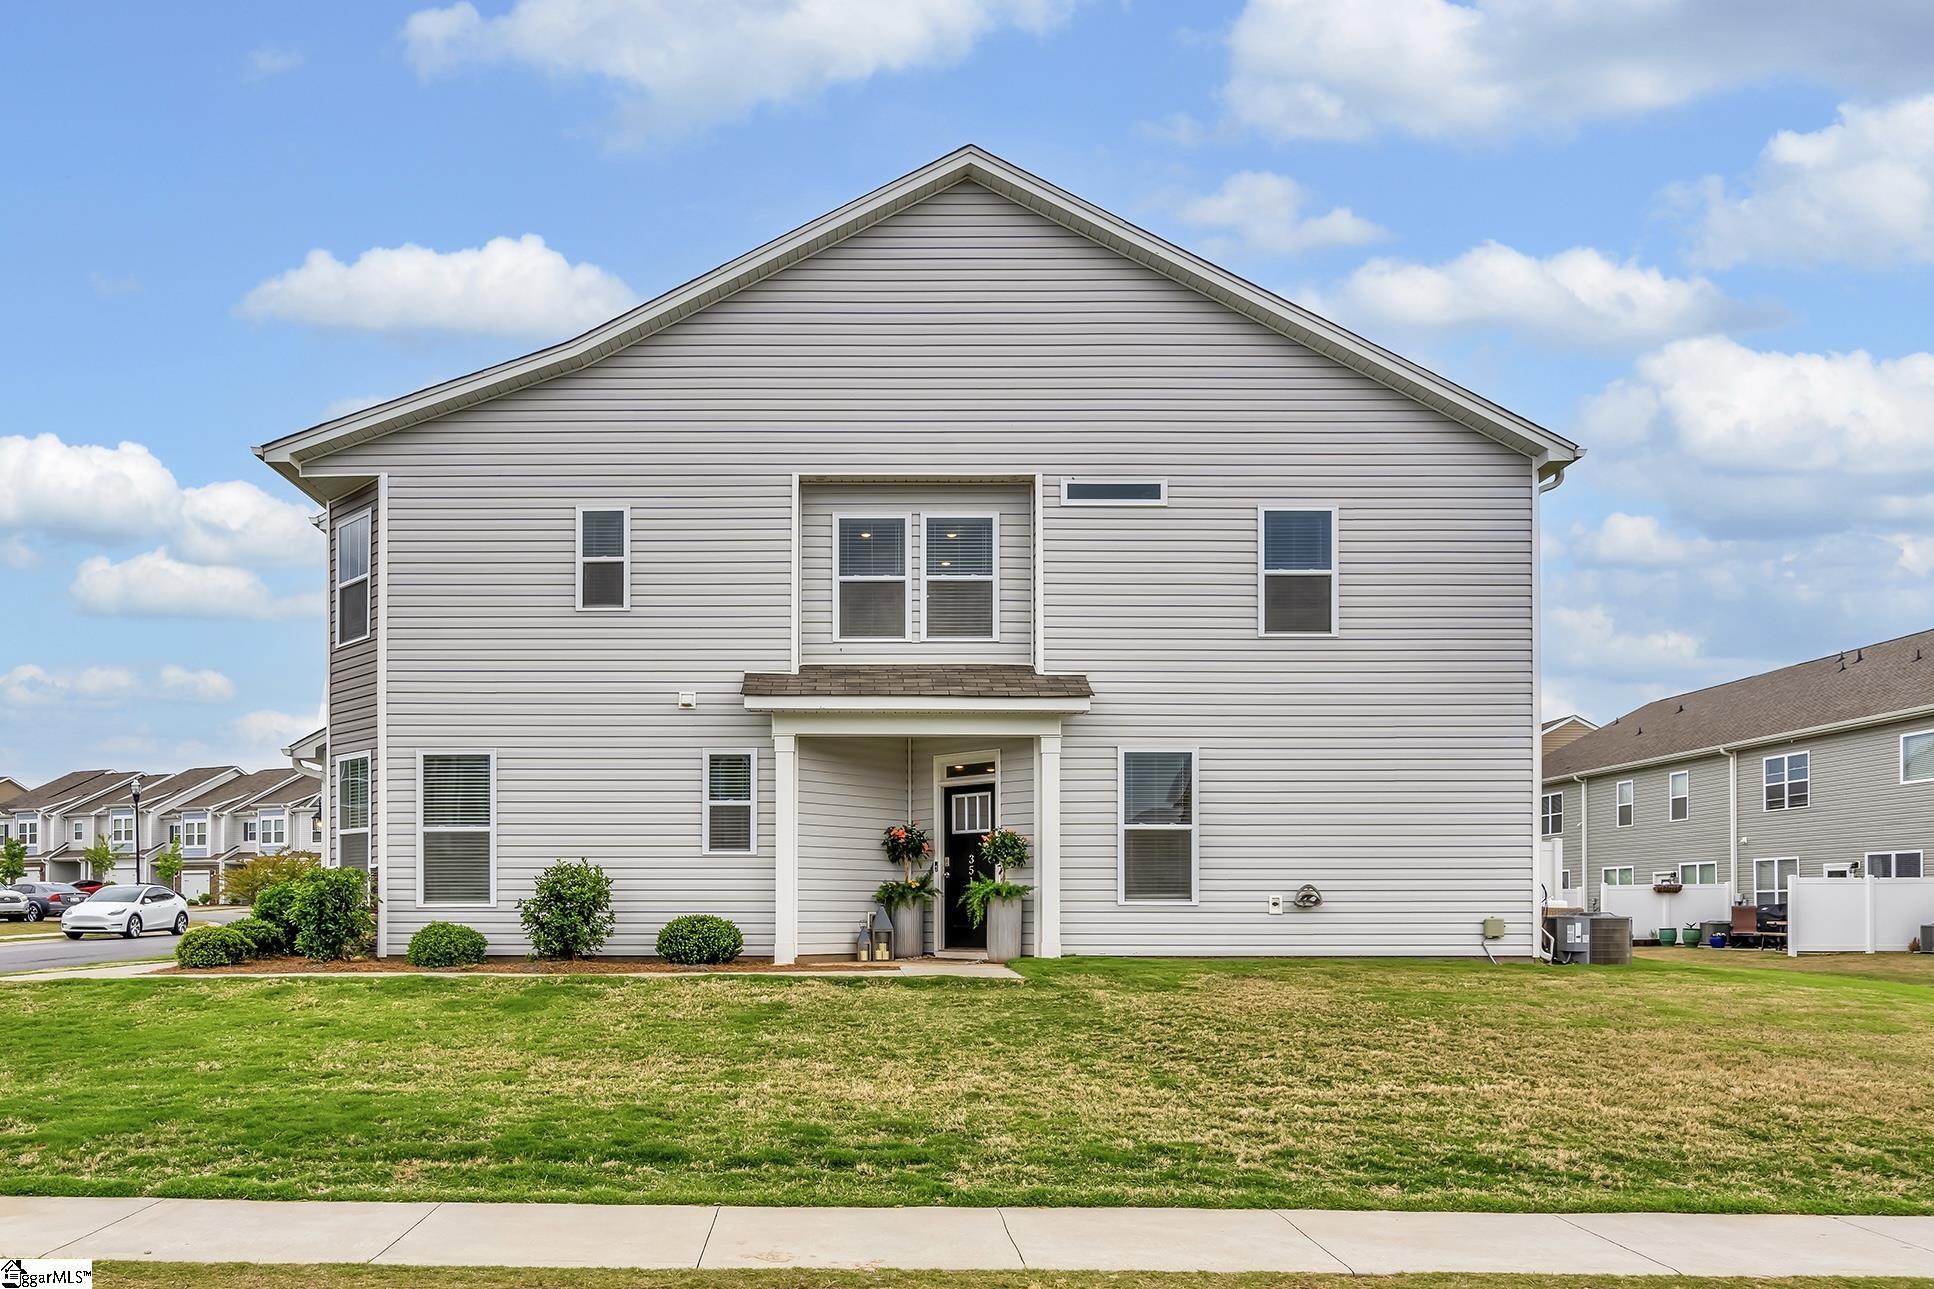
[{"x": 968, "y": 814}]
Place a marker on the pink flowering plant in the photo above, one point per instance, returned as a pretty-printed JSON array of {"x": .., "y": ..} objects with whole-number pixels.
[{"x": 906, "y": 845}]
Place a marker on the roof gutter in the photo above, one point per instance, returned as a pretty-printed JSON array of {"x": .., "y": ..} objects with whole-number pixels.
[{"x": 1725, "y": 749}]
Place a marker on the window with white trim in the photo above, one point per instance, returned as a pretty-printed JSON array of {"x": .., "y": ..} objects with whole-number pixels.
[
  {"x": 1787, "y": 782},
  {"x": 272, "y": 829},
  {"x": 731, "y": 822},
  {"x": 1917, "y": 757},
  {"x": 459, "y": 828},
  {"x": 1842, "y": 869},
  {"x": 80, "y": 831},
  {"x": 1894, "y": 863},
  {"x": 120, "y": 830},
  {"x": 1622, "y": 803},
  {"x": 871, "y": 598},
  {"x": 352, "y": 812},
  {"x": 1620, "y": 875},
  {"x": 1699, "y": 873},
  {"x": 29, "y": 830},
  {"x": 1296, "y": 563},
  {"x": 194, "y": 834},
  {"x": 1114, "y": 492},
  {"x": 1772, "y": 878},
  {"x": 1158, "y": 837},
  {"x": 248, "y": 830},
  {"x": 959, "y": 590},
  {"x": 352, "y": 579},
  {"x": 1551, "y": 814},
  {"x": 174, "y": 833},
  {"x": 1679, "y": 796},
  {"x": 604, "y": 557}
]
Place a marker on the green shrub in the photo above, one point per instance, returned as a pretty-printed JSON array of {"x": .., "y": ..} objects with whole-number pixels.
[
  {"x": 212, "y": 946},
  {"x": 275, "y": 905},
  {"x": 245, "y": 885},
  {"x": 699, "y": 938},
  {"x": 331, "y": 914},
  {"x": 265, "y": 938},
  {"x": 445, "y": 944},
  {"x": 569, "y": 912}
]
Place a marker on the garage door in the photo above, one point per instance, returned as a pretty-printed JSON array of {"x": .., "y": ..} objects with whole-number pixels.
[
  {"x": 194, "y": 882},
  {"x": 123, "y": 874}
]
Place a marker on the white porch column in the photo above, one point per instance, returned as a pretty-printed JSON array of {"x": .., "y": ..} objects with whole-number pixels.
[
  {"x": 1047, "y": 849},
  {"x": 785, "y": 848}
]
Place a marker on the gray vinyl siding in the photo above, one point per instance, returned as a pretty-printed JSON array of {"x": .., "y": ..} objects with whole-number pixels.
[
  {"x": 1653, "y": 842},
  {"x": 819, "y": 503},
  {"x": 1390, "y": 766},
  {"x": 850, "y": 791},
  {"x": 1573, "y": 838},
  {"x": 352, "y": 667},
  {"x": 1857, "y": 803}
]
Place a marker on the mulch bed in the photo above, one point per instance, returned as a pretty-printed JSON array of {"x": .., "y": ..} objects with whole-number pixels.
[{"x": 290, "y": 964}]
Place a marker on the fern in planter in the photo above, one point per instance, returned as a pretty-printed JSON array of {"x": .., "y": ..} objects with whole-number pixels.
[
  {"x": 1006, "y": 850},
  {"x": 898, "y": 895}
]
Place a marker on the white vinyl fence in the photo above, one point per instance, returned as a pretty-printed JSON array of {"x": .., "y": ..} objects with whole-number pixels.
[
  {"x": 1650, "y": 909},
  {"x": 1857, "y": 914}
]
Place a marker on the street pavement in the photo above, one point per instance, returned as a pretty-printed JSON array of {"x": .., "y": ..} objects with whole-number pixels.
[{"x": 33, "y": 953}]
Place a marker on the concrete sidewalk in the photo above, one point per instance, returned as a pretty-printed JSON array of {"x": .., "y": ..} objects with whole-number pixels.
[{"x": 966, "y": 1239}]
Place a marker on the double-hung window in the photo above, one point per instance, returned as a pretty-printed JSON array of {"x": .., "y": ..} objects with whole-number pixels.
[
  {"x": 1917, "y": 757},
  {"x": 1772, "y": 878},
  {"x": 352, "y": 579},
  {"x": 272, "y": 830},
  {"x": 871, "y": 601},
  {"x": 1699, "y": 873},
  {"x": 458, "y": 849},
  {"x": 80, "y": 831},
  {"x": 1623, "y": 803},
  {"x": 248, "y": 830},
  {"x": 730, "y": 825},
  {"x": 29, "y": 832},
  {"x": 120, "y": 830},
  {"x": 604, "y": 557},
  {"x": 1296, "y": 563},
  {"x": 1158, "y": 830},
  {"x": 962, "y": 596},
  {"x": 352, "y": 811},
  {"x": 194, "y": 834},
  {"x": 1679, "y": 796},
  {"x": 1787, "y": 781},
  {"x": 1551, "y": 814},
  {"x": 1894, "y": 863}
]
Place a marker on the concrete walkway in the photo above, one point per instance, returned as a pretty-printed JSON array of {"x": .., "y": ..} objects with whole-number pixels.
[{"x": 965, "y": 1239}]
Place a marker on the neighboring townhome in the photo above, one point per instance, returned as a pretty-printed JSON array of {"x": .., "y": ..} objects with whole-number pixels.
[
  {"x": 1563, "y": 732},
  {"x": 11, "y": 790},
  {"x": 237, "y": 819},
  {"x": 1822, "y": 769},
  {"x": 967, "y": 503},
  {"x": 115, "y": 814},
  {"x": 54, "y": 824}
]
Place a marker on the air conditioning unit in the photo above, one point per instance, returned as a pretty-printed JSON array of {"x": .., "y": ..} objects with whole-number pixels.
[{"x": 1596, "y": 938}]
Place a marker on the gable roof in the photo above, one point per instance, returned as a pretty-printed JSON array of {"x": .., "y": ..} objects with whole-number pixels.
[
  {"x": 76, "y": 785},
  {"x": 1893, "y": 678},
  {"x": 288, "y": 455},
  {"x": 157, "y": 789},
  {"x": 239, "y": 791}
]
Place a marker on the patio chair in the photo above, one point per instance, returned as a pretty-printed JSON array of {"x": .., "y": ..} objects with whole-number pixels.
[{"x": 1745, "y": 926}]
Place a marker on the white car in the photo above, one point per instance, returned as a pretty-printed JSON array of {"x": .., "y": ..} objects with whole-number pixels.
[
  {"x": 14, "y": 906},
  {"x": 126, "y": 911}
]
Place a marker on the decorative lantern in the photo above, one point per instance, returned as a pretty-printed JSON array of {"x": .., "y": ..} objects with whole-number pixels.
[
  {"x": 883, "y": 943},
  {"x": 863, "y": 945}
]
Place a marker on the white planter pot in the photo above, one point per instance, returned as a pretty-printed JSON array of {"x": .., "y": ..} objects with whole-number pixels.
[
  {"x": 909, "y": 930},
  {"x": 1003, "y": 929}
]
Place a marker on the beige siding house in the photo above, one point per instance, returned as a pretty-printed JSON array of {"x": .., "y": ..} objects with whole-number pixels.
[
  {"x": 967, "y": 503},
  {"x": 1821, "y": 769}
]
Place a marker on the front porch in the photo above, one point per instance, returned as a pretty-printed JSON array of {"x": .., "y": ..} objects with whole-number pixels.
[{"x": 959, "y": 749}]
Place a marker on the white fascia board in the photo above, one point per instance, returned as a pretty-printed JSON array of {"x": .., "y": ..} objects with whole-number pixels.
[{"x": 913, "y": 706}]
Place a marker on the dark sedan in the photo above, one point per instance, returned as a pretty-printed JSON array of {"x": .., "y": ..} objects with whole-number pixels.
[{"x": 49, "y": 899}]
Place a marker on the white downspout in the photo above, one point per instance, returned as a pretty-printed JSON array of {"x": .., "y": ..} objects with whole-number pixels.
[
  {"x": 1732, "y": 817},
  {"x": 1584, "y": 836}
]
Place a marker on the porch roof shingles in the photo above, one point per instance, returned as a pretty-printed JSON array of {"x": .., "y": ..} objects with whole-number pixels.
[{"x": 920, "y": 680}]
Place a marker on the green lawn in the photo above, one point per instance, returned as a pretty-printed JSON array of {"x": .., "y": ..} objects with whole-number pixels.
[
  {"x": 1706, "y": 1082},
  {"x": 189, "y": 1275}
]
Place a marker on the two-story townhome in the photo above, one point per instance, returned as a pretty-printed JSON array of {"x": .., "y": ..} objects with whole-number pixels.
[
  {"x": 1554, "y": 734},
  {"x": 114, "y": 815},
  {"x": 53, "y": 821},
  {"x": 968, "y": 503},
  {"x": 1821, "y": 769},
  {"x": 265, "y": 812}
]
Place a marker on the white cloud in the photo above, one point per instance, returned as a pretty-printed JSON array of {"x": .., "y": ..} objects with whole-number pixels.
[
  {"x": 30, "y": 685},
  {"x": 1264, "y": 212},
  {"x": 86, "y": 492},
  {"x": 687, "y": 65},
  {"x": 260, "y": 736},
  {"x": 1577, "y": 297},
  {"x": 155, "y": 584},
  {"x": 1343, "y": 69},
  {"x": 1638, "y": 541},
  {"x": 205, "y": 685},
  {"x": 268, "y": 61},
  {"x": 507, "y": 286},
  {"x": 1916, "y": 553},
  {"x": 1587, "y": 637},
  {"x": 1860, "y": 191}
]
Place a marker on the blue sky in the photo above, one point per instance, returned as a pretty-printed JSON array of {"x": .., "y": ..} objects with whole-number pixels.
[{"x": 1695, "y": 236}]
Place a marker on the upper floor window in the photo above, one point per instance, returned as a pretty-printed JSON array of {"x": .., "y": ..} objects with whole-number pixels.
[
  {"x": 1623, "y": 803},
  {"x": 1917, "y": 757},
  {"x": 1297, "y": 570},
  {"x": 604, "y": 558},
  {"x": 1897, "y": 863},
  {"x": 1114, "y": 492},
  {"x": 352, "y": 579},
  {"x": 1158, "y": 842},
  {"x": 352, "y": 811},
  {"x": 194, "y": 834},
  {"x": 1679, "y": 796},
  {"x": 871, "y": 602},
  {"x": 80, "y": 831},
  {"x": 1787, "y": 781},
  {"x": 961, "y": 592},
  {"x": 248, "y": 830},
  {"x": 272, "y": 830},
  {"x": 29, "y": 833},
  {"x": 120, "y": 830},
  {"x": 459, "y": 829},
  {"x": 1551, "y": 814},
  {"x": 730, "y": 824}
]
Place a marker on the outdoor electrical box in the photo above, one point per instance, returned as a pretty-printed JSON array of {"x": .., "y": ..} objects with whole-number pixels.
[{"x": 1493, "y": 928}]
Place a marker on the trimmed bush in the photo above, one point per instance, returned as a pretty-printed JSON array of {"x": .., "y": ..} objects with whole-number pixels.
[
  {"x": 265, "y": 938},
  {"x": 699, "y": 939},
  {"x": 331, "y": 914},
  {"x": 245, "y": 885},
  {"x": 569, "y": 912},
  {"x": 212, "y": 946},
  {"x": 445, "y": 944},
  {"x": 274, "y": 904}
]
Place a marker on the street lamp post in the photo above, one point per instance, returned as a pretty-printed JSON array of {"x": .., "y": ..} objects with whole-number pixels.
[{"x": 137, "y": 831}]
